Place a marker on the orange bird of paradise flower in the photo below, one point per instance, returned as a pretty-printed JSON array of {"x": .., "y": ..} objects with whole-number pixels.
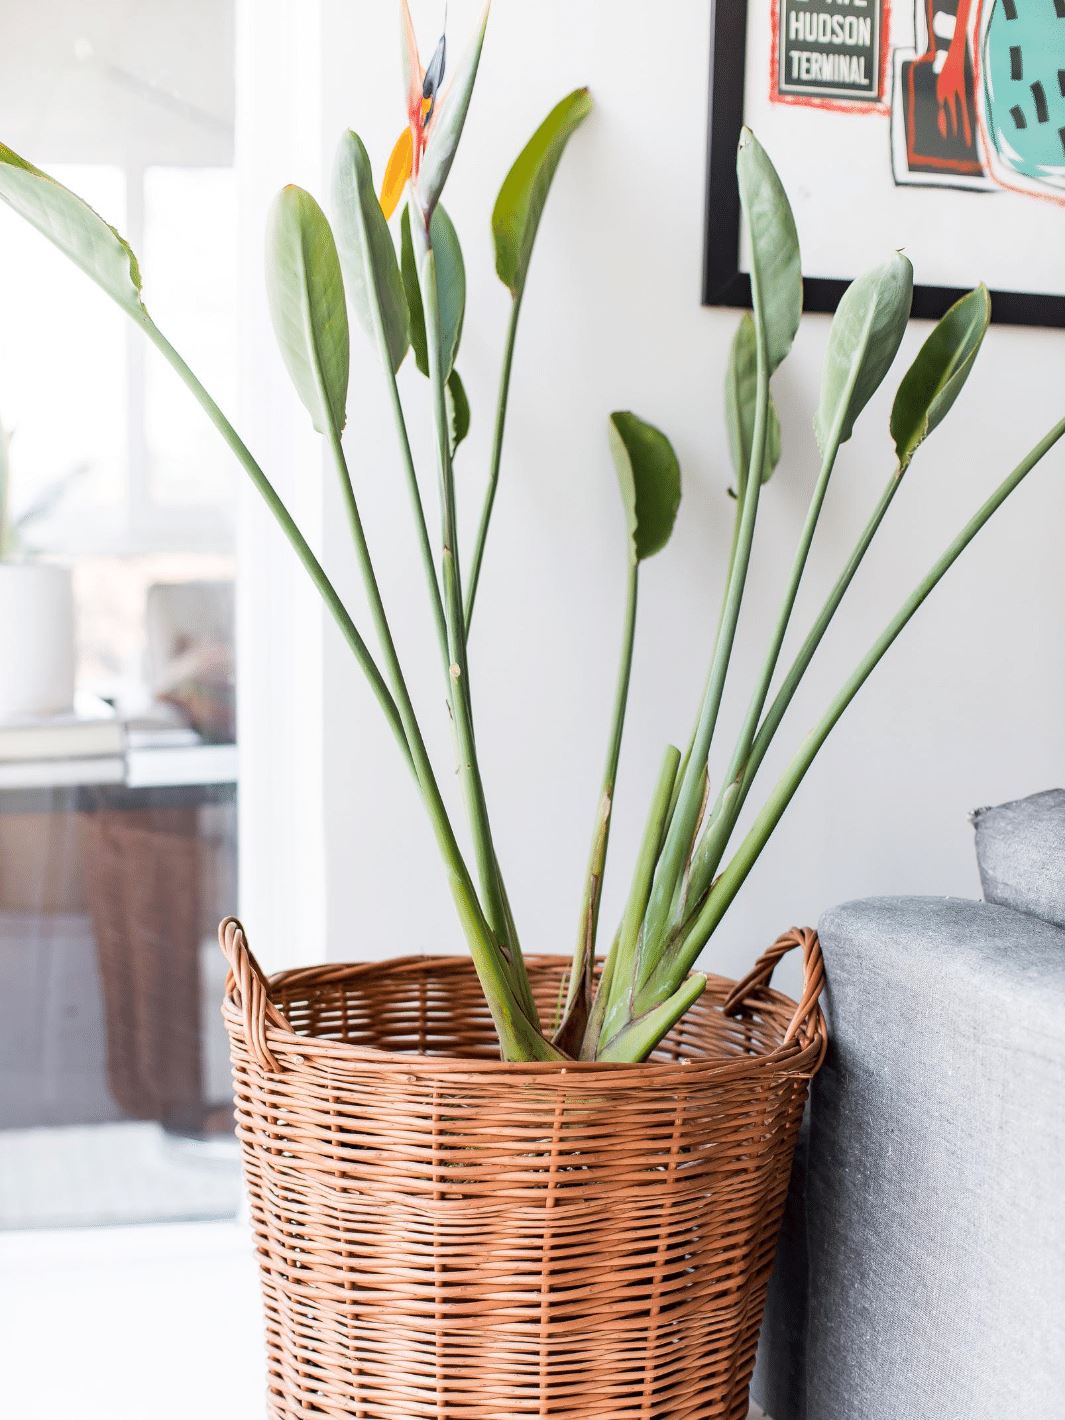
[{"x": 423, "y": 91}]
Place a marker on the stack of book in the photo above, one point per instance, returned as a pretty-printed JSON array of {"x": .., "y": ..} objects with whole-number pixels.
[{"x": 84, "y": 746}]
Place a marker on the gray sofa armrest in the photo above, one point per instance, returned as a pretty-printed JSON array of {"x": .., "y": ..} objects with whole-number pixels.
[
  {"x": 922, "y": 1271},
  {"x": 1021, "y": 851}
]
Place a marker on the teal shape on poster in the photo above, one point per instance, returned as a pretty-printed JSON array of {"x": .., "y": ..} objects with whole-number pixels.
[{"x": 1024, "y": 87}]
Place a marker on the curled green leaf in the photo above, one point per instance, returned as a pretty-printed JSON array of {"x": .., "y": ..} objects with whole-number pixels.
[
  {"x": 458, "y": 410},
  {"x": 450, "y": 285},
  {"x": 70, "y": 224},
  {"x": 371, "y": 271},
  {"x": 776, "y": 268},
  {"x": 649, "y": 475},
  {"x": 935, "y": 379},
  {"x": 866, "y": 333},
  {"x": 741, "y": 385},
  {"x": 520, "y": 204},
  {"x": 305, "y": 291}
]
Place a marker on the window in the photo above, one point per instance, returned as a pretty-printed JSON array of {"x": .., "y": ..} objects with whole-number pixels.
[{"x": 114, "y": 1089}]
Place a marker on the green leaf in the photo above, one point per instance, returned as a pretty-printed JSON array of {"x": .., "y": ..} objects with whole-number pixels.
[
  {"x": 935, "y": 379},
  {"x": 649, "y": 475},
  {"x": 451, "y": 110},
  {"x": 520, "y": 204},
  {"x": 741, "y": 383},
  {"x": 371, "y": 271},
  {"x": 451, "y": 288},
  {"x": 866, "y": 333},
  {"x": 776, "y": 268},
  {"x": 306, "y": 295},
  {"x": 72, "y": 226},
  {"x": 458, "y": 410}
]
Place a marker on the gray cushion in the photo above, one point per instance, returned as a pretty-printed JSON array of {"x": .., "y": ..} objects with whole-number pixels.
[
  {"x": 922, "y": 1272},
  {"x": 1021, "y": 851}
]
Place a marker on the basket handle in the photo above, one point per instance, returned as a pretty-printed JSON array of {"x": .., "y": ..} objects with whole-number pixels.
[
  {"x": 248, "y": 987},
  {"x": 762, "y": 972}
]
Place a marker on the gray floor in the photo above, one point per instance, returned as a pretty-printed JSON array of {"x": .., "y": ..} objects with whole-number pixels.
[{"x": 114, "y": 1174}]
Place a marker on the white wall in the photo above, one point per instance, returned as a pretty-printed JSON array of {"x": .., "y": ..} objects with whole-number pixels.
[{"x": 967, "y": 709}]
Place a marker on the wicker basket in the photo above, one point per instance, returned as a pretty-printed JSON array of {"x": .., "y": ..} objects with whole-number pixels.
[{"x": 442, "y": 1235}]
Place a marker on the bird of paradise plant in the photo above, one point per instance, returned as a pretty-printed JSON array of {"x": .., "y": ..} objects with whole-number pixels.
[{"x": 684, "y": 878}]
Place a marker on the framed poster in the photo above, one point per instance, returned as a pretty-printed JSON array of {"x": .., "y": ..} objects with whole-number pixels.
[{"x": 935, "y": 126}]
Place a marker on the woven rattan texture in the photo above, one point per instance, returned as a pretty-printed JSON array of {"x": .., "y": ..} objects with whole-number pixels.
[{"x": 442, "y": 1235}]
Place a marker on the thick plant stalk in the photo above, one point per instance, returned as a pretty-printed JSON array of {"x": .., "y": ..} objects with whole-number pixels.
[
  {"x": 674, "y": 966},
  {"x": 621, "y": 969},
  {"x": 496, "y": 458},
  {"x": 579, "y": 993},
  {"x": 496, "y": 911},
  {"x": 635, "y": 1041},
  {"x": 749, "y": 727},
  {"x": 733, "y": 544},
  {"x": 685, "y": 818},
  {"x": 734, "y": 793}
]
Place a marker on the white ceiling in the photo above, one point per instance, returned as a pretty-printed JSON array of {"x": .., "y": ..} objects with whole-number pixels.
[{"x": 117, "y": 81}]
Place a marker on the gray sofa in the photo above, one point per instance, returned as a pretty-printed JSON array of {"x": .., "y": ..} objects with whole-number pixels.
[{"x": 921, "y": 1273}]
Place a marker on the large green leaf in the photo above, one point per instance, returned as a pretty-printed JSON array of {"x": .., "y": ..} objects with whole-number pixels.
[
  {"x": 520, "y": 204},
  {"x": 306, "y": 296},
  {"x": 72, "y": 226},
  {"x": 450, "y": 285},
  {"x": 741, "y": 383},
  {"x": 371, "y": 270},
  {"x": 866, "y": 333},
  {"x": 649, "y": 475},
  {"x": 935, "y": 379},
  {"x": 447, "y": 123},
  {"x": 776, "y": 268}
]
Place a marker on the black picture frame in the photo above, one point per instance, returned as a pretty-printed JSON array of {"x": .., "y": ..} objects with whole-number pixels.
[{"x": 724, "y": 284}]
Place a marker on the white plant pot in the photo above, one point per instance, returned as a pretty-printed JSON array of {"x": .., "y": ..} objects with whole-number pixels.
[{"x": 36, "y": 640}]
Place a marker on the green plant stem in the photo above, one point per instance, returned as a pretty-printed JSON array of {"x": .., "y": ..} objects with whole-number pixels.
[
  {"x": 638, "y": 1037},
  {"x": 497, "y": 455},
  {"x": 516, "y": 1041},
  {"x": 734, "y": 794},
  {"x": 622, "y": 971},
  {"x": 580, "y": 979},
  {"x": 685, "y": 819},
  {"x": 459, "y": 696},
  {"x": 590, "y": 1044},
  {"x": 519, "y": 1037},
  {"x": 288, "y": 526},
  {"x": 672, "y": 968},
  {"x": 749, "y": 727},
  {"x": 686, "y": 759},
  {"x": 424, "y": 542}
]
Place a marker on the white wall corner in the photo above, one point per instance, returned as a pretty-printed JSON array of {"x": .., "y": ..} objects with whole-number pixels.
[{"x": 280, "y": 620}]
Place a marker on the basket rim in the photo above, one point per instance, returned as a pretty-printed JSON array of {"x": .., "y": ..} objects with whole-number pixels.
[{"x": 274, "y": 1042}]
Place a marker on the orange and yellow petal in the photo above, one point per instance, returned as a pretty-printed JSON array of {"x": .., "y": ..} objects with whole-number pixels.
[{"x": 397, "y": 172}]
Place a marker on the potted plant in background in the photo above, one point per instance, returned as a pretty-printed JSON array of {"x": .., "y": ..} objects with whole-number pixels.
[
  {"x": 538, "y": 1186},
  {"x": 37, "y": 658}
]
